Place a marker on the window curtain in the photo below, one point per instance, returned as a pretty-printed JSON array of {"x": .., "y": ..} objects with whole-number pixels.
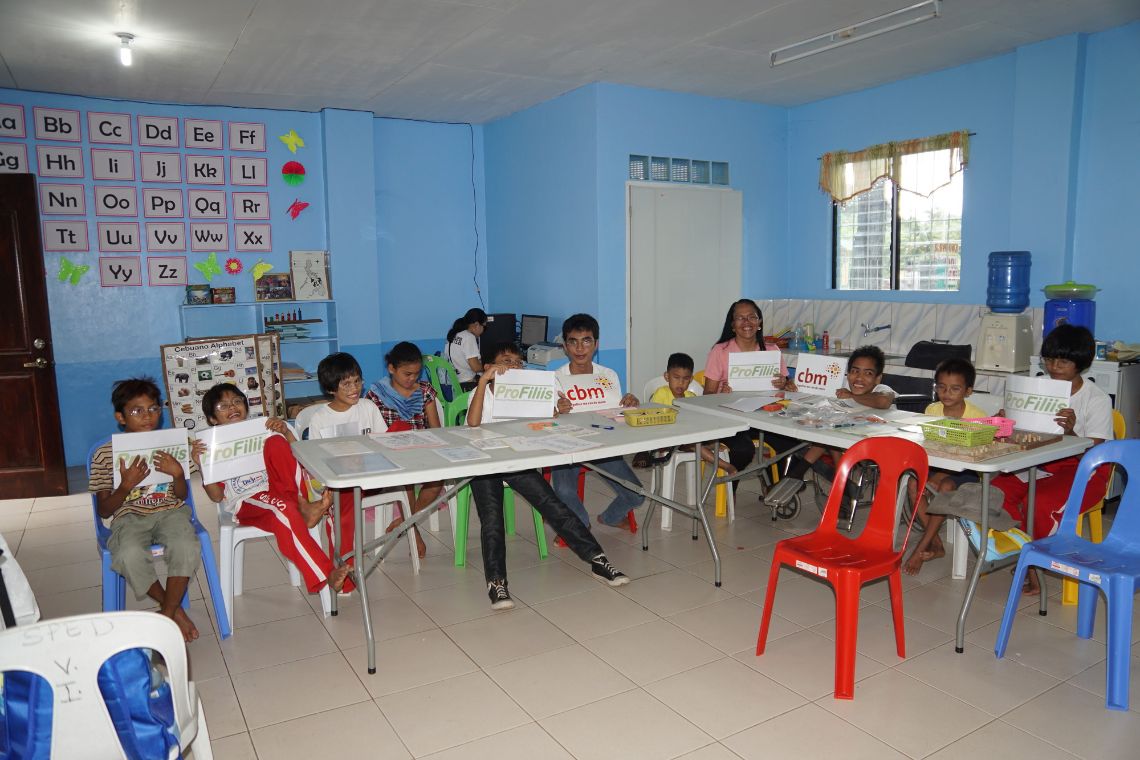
[{"x": 918, "y": 166}]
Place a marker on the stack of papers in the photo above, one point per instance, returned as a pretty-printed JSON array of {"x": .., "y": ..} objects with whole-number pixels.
[{"x": 411, "y": 439}]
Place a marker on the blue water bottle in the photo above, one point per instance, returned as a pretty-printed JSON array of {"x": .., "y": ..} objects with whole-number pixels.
[{"x": 1007, "y": 291}]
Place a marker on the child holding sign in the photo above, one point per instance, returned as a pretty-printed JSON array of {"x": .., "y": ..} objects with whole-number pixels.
[
  {"x": 678, "y": 377},
  {"x": 488, "y": 493},
  {"x": 1066, "y": 352},
  {"x": 144, "y": 515},
  {"x": 862, "y": 385},
  {"x": 276, "y": 498},
  {"x": 580, "y": 336}
]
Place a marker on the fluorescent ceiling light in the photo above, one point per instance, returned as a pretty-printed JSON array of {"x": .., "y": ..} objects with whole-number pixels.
[
  {"x": 125, "y": 48},
  {"x": 888, "y": 22}
]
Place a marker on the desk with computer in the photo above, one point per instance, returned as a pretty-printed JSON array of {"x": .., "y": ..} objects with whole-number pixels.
[{"x": 530, "y": 332}]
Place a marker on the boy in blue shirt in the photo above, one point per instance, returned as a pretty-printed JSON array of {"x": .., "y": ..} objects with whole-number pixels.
[{"x": 580, "y": 340}]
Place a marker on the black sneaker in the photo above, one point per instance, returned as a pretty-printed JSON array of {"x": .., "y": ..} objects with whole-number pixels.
[
  {"x": 607, "y": 572},
  {"x": 500, "y": 597}
]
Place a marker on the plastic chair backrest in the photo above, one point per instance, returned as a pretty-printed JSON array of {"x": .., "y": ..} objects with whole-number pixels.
[
  {"x": 1125, "y": 531},
  {"x": 78, "y": 646},
  {"x": 305, "y": 419},
  {"x": 654, "y": 383},
  {"x": 441, "y": 372},
  {"x": 893, "y": 457}
]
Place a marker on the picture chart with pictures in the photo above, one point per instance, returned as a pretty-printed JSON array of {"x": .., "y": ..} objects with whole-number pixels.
[{"x": 251, "y": 362}]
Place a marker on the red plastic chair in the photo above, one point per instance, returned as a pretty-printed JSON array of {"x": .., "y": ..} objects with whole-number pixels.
[{"x": 847, "y": 563}]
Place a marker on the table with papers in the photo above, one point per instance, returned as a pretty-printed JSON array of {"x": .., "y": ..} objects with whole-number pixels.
[
  {"x": 903, "y": 425},
  {"x": 362, "y": 463}
]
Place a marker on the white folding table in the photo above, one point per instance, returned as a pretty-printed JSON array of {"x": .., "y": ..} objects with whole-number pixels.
[
  {"x": 423, "y": 465},
  {"x": 842, "y": 438}
]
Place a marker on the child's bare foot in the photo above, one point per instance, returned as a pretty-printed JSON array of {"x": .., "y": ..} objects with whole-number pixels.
[
  {"x": 421, "y": 548},
  {"x": 185, "y": 624},
  {"x": 913, "y": 563},
  {"x": 933, "y": 553},
  {"x": 312, "y": 512},
  {"x": 338, "y": 576}
]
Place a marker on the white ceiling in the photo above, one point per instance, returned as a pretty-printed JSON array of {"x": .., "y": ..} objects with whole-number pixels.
[{"x": 478, "y": 60}]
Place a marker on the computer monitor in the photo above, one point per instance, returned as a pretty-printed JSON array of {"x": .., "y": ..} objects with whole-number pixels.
[
  {"x": 532, "y": 329},
  {"x": 500, "y": 328}
]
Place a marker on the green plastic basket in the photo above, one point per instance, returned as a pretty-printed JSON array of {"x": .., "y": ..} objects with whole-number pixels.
[{"x": 959, "y": 433}]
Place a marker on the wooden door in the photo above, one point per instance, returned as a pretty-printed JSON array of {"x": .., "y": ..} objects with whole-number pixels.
[{"x": 31, "y": 448}]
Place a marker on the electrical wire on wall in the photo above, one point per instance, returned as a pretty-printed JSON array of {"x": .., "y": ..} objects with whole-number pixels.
[{"x": 475, "y": 219}]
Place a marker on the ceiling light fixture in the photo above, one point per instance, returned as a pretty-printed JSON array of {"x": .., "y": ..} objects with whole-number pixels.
[
  {"x": 125, "y": 48},
  {"x": 888, "y": 22}
]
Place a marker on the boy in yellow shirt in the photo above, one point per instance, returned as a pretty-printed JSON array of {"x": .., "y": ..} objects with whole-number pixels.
[
  {"x": 953, "y": 383},
  {"x": 678, "y": 378}
]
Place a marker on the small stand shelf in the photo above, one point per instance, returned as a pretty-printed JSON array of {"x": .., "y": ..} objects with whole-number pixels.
[{"x": 210, "y": 320}]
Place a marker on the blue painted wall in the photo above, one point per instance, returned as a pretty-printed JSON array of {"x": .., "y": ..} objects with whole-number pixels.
[
  {"x": 1050, "y": 170},
  {"x": 542, "y": 208},
  {"x": 430, "y": 229},
  {"x": 979, "y": 97},
  {"x": 1105, "y": 249},
  {"x": 556, "y": 182}
]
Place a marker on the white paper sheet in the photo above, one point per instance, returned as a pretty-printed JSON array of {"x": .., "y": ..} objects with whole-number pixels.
[
  {"x": 818, "y": 375},
  {"x": 486, "y": 444},
  {"x": 475, "y": 433},
  {"x": 525, "y": 393},
  {"x": 409, "y": 439},
  {"x": 233, "y": 450},
  {"x": 751, "y": 403},
  {"x": 174, "y": 441},
  {"x": 362, "y": 464},
  {"x": 567, "y": 444},
  {"x": 753, "y": 370},
  {"x": 461, "y": 453},
  {"x": 525, "y": 442},
  {"x": 344, "y": 447},
  {"x": 587, "y": 392},
  {"x": 1033, "y": 402}
]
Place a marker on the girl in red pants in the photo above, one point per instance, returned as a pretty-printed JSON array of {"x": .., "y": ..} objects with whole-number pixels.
[
  {"x": 275, "y": 499},
  {"x": 1066, "y": 352}
]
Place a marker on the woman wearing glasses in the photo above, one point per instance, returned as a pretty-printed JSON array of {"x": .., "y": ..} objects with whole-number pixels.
[{"x": 743, "y": 331}]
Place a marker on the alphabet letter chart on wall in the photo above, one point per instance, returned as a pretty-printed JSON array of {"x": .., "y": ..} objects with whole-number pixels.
[{"x": 141, "y": 191}]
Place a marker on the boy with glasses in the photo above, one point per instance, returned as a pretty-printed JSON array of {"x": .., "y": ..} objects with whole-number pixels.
[
  {"x": 487, "y": 491},
  {"x": 141, "y": 516},
  {"x": 580, "y": 338}
]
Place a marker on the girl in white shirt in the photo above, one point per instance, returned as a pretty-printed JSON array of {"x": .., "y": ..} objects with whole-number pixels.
[{"x": 462, "y": 348}]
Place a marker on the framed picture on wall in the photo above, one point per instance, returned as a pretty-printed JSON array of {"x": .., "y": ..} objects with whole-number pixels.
[
  {"x": 273, "y": 286},
  {"x": 310, "y": 270}
]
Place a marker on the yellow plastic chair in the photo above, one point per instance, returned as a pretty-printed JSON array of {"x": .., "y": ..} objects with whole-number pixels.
[{"x": 1095, "y": 515}]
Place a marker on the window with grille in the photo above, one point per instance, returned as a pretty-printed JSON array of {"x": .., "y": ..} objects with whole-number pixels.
[
  {"x": 687, "y": 170},
  {"x": 887, "y": 238}
]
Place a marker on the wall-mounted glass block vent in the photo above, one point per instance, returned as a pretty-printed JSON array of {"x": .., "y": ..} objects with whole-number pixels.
[
  {"x": 639, "y": 167},
  {"x": 687, "y": 170}
]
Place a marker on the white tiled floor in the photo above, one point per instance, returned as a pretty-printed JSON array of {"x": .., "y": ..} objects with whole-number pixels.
[{"x": 662, "y": 668}]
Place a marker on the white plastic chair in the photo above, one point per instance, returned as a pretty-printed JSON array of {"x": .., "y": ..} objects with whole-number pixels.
[
  {"x": 667, "y": 473},
  {"x": 231, "y": 560},
  {"x": 68, "y": 652},
  {"x": 386, "y": 500}
]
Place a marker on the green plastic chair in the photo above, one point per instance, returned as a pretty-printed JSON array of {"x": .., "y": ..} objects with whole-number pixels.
[
  {"x": 440, "y": 372},
  {"x": 455, "y": 415}
]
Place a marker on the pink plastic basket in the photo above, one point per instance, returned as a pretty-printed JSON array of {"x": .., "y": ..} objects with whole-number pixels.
[{"x": 1003, "y": 424}]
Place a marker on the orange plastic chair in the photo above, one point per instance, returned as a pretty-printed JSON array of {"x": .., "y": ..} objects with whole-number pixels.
[{"x": 847, "y": 563}]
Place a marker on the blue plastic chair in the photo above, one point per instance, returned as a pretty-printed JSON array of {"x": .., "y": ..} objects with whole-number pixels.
[
  {"x": 115, "y": 585},
  {"x": 1112, "y": 566}
]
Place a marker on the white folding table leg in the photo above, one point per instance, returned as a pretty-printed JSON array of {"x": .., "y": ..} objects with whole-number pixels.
[{"x": 960, "y": 553}]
